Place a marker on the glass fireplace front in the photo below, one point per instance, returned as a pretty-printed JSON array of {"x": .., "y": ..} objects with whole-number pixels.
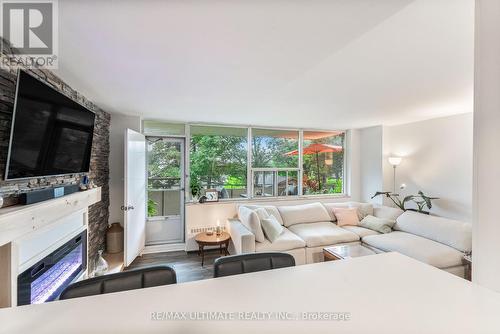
[{"x": 45, "y": 280}]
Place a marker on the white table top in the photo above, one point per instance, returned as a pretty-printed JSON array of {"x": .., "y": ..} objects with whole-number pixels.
[{"x": 384, "y": 293}]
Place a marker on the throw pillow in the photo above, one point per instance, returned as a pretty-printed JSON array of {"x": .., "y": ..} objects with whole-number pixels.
[
  {"x": 272, "y": 228},
  {"x": 346, "y": 216},
  {"x": 377, "y": 224},
  {"x": 262, "y": 213},
  {"x": 250, "y": 219}
]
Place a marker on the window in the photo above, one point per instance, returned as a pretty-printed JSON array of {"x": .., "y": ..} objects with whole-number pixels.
[
  {"x": 275, "y": 162},
  {"x": 323, "y": 162},
  {"x": 218, "y": 159},
  {"x": 158, "y": 128}
]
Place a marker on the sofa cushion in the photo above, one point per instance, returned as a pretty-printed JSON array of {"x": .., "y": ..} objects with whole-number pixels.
[
  {"x": 271, "y": 210},
  {"x": 422, "y": 249},
  {"x": 377, "y": 224},
  {"x": 360, "y": 231},
  {"x": 286, "y": 241},
  {"x": 323, "y": 234},
  {"x": 364, "y": 209},
  {"x": 450, "y": 232},
  {"x": 251, "y": 220},
  {"x": 386, "y": 212},
  {"x": 304, "y": 213}
]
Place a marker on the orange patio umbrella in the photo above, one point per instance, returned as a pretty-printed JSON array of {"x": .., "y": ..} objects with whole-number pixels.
[{"x": 317, "y": 149}]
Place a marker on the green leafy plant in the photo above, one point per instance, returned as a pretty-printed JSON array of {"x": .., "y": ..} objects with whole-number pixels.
[
  {"x": 421, "y": 200},
  {"x": 152, "y": 211},
  {"x": 195, "y": 187},
  {"x": 400, "y": 203}
]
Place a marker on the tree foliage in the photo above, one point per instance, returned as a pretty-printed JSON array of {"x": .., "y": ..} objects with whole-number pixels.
[
  {"x": 215, "y": 159},
  {"x": 329, "y": 178}
]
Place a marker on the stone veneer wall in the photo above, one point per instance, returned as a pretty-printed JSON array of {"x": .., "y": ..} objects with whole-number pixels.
[{"x": 99, "y": 165}]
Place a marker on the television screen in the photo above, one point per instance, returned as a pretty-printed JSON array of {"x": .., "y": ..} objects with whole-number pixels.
[{"x": 51, "y": 134}]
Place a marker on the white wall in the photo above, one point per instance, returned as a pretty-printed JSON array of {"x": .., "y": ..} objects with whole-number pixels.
[
  {"x": 486, "y": 222},
  {"x": 437, "y": 159},
  {"x": 370, "y": 148},
  {"x": 119, "y": 123}
]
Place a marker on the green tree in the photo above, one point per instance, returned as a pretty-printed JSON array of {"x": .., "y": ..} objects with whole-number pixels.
[
  {"x": 270, "y": 152},
  {"x": 164, "y": 159},
  {"x": 217, "y": 159}
]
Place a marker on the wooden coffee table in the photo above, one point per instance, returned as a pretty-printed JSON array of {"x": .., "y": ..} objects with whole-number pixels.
[
  {"x": 203, "y": 239},
  {"x": 342, "y": 252}
]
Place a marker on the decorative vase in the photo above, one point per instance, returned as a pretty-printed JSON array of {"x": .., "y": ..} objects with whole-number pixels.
[
  {"x": 114, "y": 239},
  {"x": 101, "y": 265}
]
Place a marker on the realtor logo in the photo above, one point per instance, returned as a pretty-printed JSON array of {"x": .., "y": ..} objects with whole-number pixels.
[{"x": 31, "y": 29}]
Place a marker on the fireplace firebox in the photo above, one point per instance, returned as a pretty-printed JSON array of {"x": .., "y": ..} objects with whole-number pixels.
[{"x": 45, "y": 280}]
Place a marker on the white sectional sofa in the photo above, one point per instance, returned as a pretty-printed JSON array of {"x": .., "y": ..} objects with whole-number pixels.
[{"x": 308, "y": 228}]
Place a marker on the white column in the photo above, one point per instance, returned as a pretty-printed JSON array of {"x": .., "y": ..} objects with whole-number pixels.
[{"x": 486, "y": 217}]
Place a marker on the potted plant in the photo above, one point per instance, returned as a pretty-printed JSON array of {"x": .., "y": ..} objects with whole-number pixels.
[
  {"x": 421, "y": 200},
  {"x": 152, "y": 211},
  {"x": 195, "y": 188}
]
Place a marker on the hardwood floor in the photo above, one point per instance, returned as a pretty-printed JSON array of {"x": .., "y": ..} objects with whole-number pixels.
[{"x": 186, "y": 265}]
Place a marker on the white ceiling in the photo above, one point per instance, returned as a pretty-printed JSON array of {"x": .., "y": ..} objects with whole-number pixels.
[{"x": 299, "y": 63}]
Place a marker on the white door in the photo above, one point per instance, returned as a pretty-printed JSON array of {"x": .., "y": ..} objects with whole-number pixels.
[{"x": 135, "y": 195}]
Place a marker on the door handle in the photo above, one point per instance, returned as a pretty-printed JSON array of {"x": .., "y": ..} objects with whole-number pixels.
[{"x": 127, "y": 208}]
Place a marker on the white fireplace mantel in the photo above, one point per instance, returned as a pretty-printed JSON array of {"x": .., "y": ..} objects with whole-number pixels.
[
  {"x": 19, "y": 220},
  {"x": 28, "y": 233}
]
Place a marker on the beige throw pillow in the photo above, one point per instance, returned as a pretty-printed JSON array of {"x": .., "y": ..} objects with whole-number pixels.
[
  {"x": 262, "y": 213},
  {"x": 346, "y": 216},
  {"x": 250, "y": 219},
  {"x": 272, "y": 228}
]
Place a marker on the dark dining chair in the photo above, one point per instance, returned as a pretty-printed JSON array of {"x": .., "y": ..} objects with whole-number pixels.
[
  {"x": 126, "y": 280},
  {"x": 248, "y": 263}
]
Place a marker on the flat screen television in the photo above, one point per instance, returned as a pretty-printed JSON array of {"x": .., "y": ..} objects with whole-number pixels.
[{"x": 51, "y": 134}]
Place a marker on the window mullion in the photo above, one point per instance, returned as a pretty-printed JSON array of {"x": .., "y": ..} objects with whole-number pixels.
[
  {"x": 187, "y": 163},
  {"x": 301, "y": 164},
  {"x": 249, "y": 164}
]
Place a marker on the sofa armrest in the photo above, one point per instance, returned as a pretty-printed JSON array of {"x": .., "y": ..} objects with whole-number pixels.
[{"x": 242, "y": 240}]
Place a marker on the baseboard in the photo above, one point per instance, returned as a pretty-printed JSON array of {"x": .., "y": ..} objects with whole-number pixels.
[{"x": 164, "y": 248}]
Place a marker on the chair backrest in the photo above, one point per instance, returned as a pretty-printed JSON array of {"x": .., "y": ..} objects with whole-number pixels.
[
  {"x": 247, "y": 263},
  {"x": 126, "y": 280}
]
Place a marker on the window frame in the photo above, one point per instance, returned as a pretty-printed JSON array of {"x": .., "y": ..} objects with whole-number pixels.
[{"x": 346, "y": 175}]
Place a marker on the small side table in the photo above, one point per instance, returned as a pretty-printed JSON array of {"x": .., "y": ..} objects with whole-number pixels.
[{"x": 203, "y": 239}]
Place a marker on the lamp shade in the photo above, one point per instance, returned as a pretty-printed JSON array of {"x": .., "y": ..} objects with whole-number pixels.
[{"x": 395, "y": 161}]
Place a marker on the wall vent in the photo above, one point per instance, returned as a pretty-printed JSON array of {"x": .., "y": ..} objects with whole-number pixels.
[{"x": 197, "y": 230}]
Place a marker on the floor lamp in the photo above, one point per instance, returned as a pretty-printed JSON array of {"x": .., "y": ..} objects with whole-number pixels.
[{"x": 394, "y": 162}]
